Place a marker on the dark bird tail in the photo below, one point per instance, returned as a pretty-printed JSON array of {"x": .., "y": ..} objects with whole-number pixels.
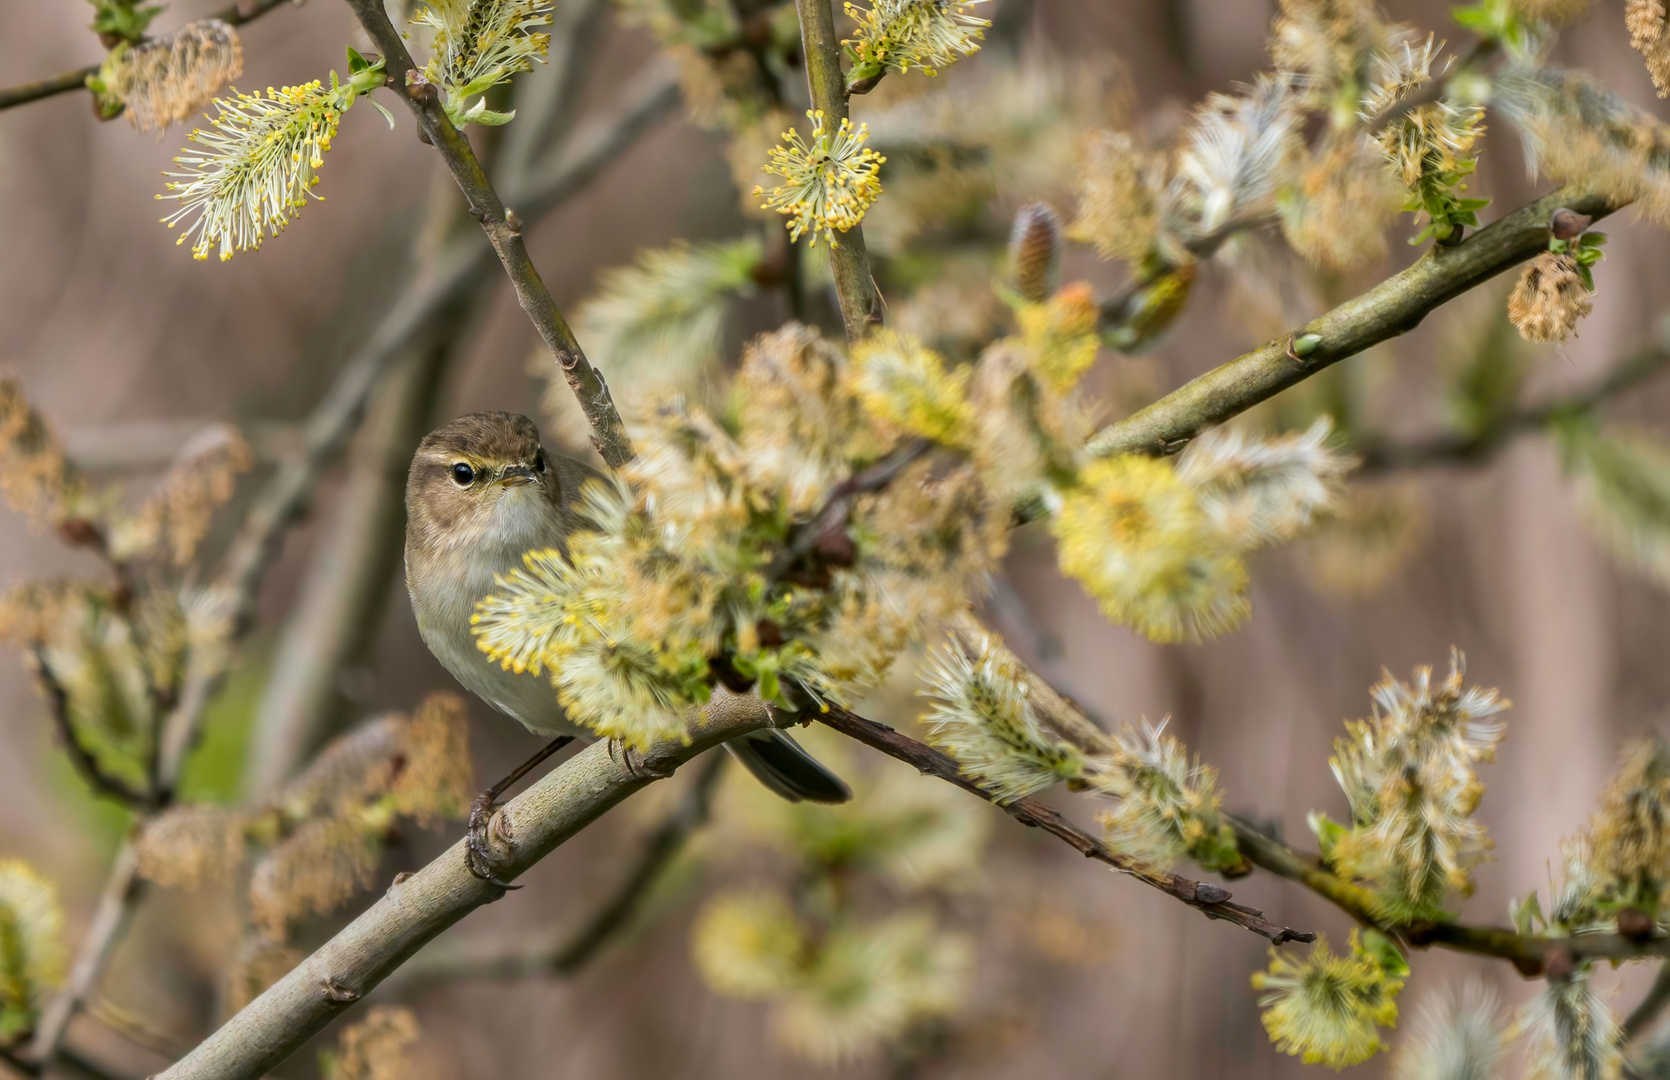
[{"x": 784, "y": 766}]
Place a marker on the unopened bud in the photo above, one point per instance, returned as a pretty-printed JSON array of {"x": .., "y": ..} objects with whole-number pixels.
[
  {"x": 1035, "y": 252},
  {"x": 1568, "y": 224}
]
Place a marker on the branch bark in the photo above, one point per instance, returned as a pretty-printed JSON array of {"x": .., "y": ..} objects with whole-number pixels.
[
  {"x": 1395, "y": 306},
  {"x": 23, "y": 93},
  {"x": 855, "y": 286},
  {"x": 504, "y": 232},
  {"x": 417, "y": 908}
]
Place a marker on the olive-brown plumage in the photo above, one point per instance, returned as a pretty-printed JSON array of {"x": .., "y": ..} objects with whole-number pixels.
[{"x": 481, "y": 492}]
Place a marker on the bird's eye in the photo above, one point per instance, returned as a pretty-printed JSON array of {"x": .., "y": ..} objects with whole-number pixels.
[
  {"x": 539, "y": 462},
  {"x": 463, "y": 475}
]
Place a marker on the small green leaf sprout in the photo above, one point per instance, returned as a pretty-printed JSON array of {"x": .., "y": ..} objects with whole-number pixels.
[
  {"x": 897, "y": 35},
  {"x": 479, "y": 44}
]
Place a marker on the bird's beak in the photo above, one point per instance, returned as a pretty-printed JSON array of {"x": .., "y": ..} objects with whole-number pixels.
[{"x": 517, "y": 474}]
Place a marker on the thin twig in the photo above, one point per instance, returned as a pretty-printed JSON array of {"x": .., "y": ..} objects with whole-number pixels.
[
  {"x": 1529, "y": 953},
  {"x": 1379, "y": 457},
  {"x": 122, "y": 889},
  {"x": 22, "y": 94},
  {"x": 417, "y": 908},
  {"x": 1642, "y": 1016},
  {"x": 824, "y": 534},
  {"x": 1213, "y": 901},
  {"x": 504, "y": 232},
  {"x": 855, "y": 287},
  {"x": 20, "y": 1066},
  {"x": 1395, "y": 306}
]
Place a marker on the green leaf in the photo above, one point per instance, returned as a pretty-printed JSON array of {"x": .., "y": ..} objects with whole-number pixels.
[
  {"x": 1328, "y": 833},
  {"x": 356, "y": 62},
  {"x": 1379, "y": 948},
  {"x": 1526, "y": 915}
]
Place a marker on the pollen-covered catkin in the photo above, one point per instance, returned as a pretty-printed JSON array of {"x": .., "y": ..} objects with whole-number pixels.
[{"x": 1549, "y": 298}]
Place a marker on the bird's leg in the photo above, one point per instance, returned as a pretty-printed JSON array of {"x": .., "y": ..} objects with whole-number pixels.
[
  {"x": 626, "y": 754},
  {"x": 638, "y": 767},
  {"x": 479, "y": 855}
]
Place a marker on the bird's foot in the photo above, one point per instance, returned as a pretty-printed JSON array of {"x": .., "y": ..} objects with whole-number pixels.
[{"x": 479, "y": 854}]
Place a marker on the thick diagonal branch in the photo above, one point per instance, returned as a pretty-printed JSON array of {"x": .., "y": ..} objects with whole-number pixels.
[
  {"x": 1395, "y": 306},
  {"x": 504, "y": 232},
  {"x": 417, "y": 908},
  {"x": 568, "y": 955}
]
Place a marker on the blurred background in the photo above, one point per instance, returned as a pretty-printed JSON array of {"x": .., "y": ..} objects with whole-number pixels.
[{"x": 130, "y": 348}]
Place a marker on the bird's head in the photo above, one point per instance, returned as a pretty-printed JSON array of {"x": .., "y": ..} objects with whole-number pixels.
[{"x": 482, "y": 480}]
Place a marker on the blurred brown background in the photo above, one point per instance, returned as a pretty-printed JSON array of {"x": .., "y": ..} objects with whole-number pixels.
[{"x": 128, "y": 344}]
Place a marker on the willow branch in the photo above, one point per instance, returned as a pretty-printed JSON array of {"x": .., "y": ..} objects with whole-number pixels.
[
  {"x": 1210, "y": 900},
  {"x": 1379, "y": 457},
  {"x": 1529, "y": 953},
  {"x": 855, "y": 287},
  {"x": 417, "y": 908},
  {"x": 23, "y": 93},
  {"x": 504, "y": 232},
  {"x": 569, "y": 955},
  {"x": 1395, "y": 306}
]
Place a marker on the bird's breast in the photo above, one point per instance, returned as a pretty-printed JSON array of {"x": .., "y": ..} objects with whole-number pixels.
[{"x": 444, "y": 594}]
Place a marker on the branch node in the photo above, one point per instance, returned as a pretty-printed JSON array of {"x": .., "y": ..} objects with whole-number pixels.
[
  {"x": 1635, "y": 925},
  {"x": 420, "y": 89},
  {"x": 513, "y": 221},
  {"x": 336, "y": 992},
  {"x": 1568, "y": 224},
  {"x": 1207, "y": 893}
]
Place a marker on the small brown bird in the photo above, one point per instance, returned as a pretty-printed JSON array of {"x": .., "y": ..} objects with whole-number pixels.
[{"x": 481, "y": 492}]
